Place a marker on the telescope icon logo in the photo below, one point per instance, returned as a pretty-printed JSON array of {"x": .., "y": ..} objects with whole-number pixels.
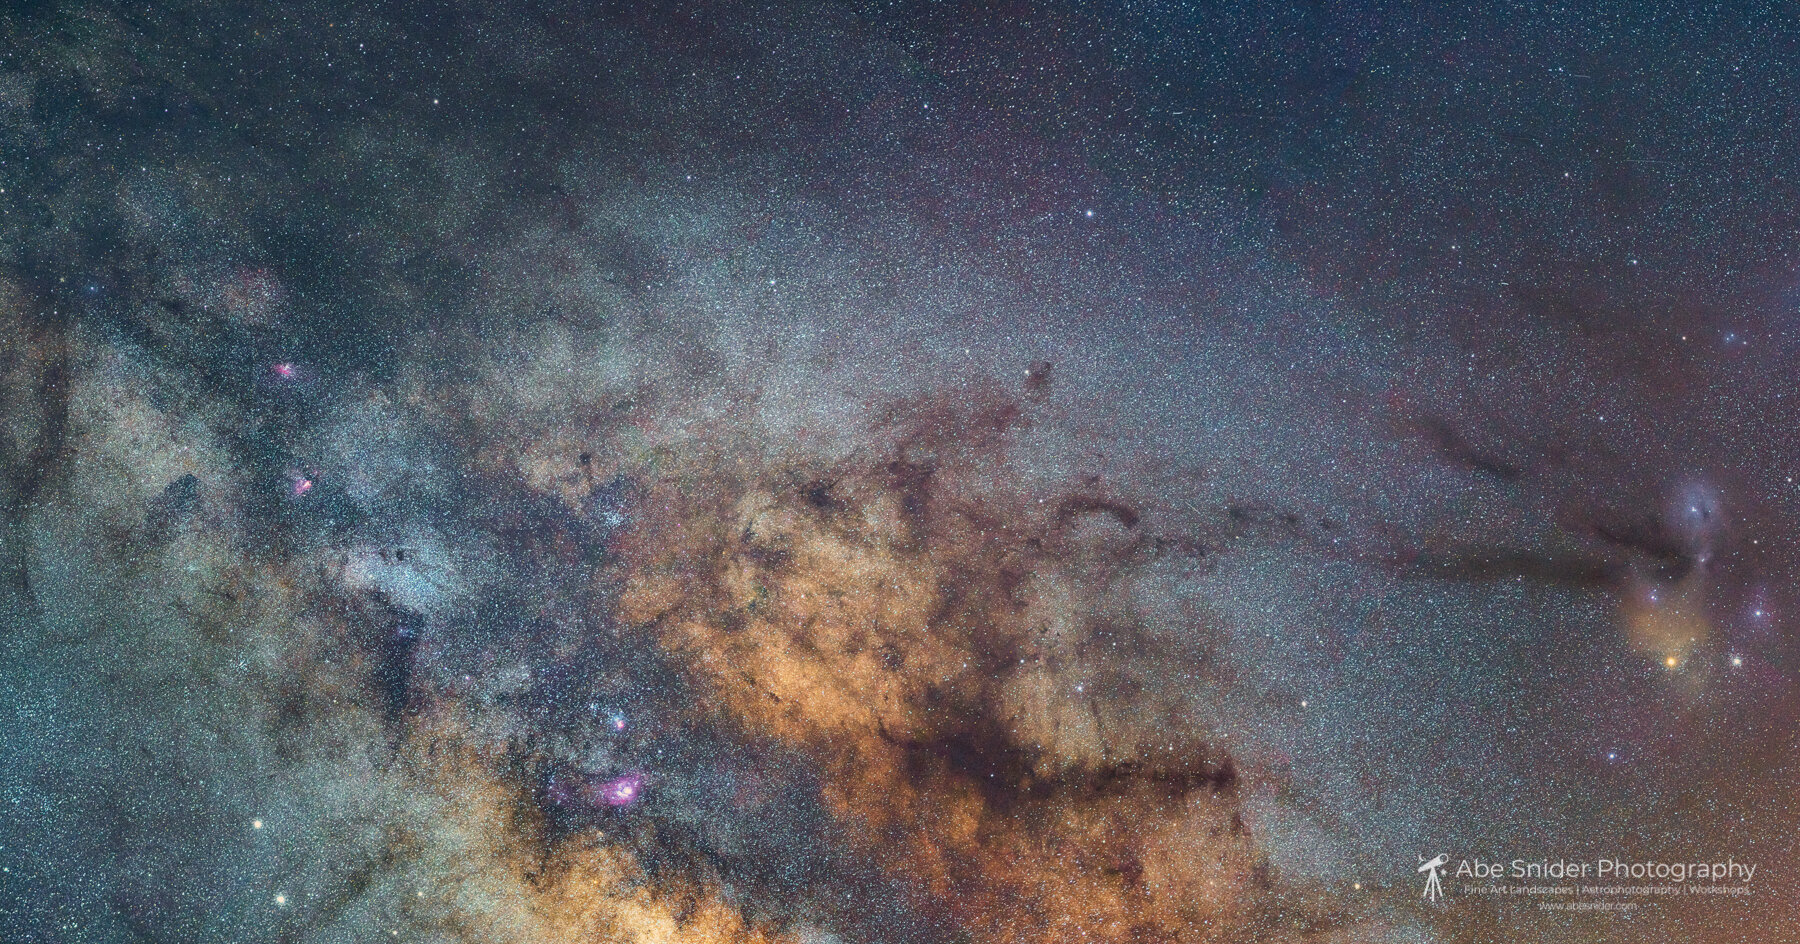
[{"x": 1434, "y": 886}]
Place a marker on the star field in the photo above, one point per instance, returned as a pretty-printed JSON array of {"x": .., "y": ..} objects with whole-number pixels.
[{"x": 895, "y": 472}]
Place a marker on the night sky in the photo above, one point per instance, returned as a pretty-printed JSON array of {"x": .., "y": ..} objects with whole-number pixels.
[{"x": 850, "y": 472}]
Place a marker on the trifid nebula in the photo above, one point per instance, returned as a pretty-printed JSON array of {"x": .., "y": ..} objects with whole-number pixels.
[{"x": 857, "y": 472}]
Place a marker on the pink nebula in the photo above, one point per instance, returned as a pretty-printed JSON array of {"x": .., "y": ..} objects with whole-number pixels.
[{"x": 620, "y": 791}]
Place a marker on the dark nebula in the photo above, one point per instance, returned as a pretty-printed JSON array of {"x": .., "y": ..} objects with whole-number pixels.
[{"x": 853, "y": 472}]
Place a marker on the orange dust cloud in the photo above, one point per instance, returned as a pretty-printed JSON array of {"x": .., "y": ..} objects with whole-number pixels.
[{"x": 989, "y": 701}]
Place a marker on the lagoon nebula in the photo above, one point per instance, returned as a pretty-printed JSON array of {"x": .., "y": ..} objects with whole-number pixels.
[{"x": 849, "y": 473}]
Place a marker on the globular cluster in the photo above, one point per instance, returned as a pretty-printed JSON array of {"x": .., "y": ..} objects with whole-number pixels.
[{"x": 895, "y": 472}]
